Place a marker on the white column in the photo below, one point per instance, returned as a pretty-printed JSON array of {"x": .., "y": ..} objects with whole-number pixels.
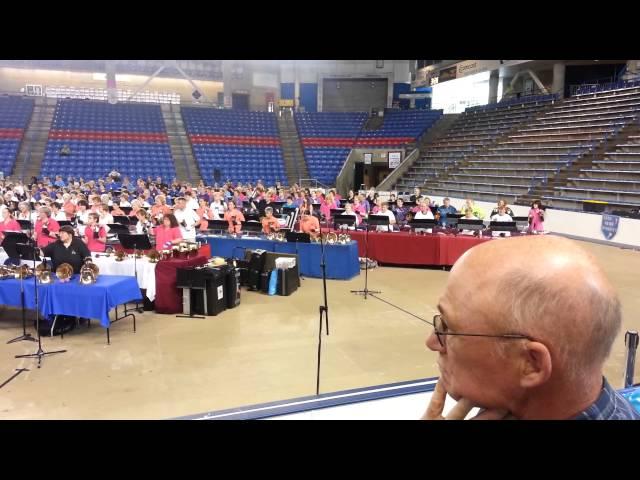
[{"x": 558, "y": 79}]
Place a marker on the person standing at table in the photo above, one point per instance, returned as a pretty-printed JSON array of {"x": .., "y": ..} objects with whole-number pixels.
[
  {"x": 417, "y": 195},
  {"x": 400, "y": 211},
  {"x": 187, "y": 219},
  {"x": 217, "y": 207},
  {"x": 446, "y": 209},
  {"x": 536, "y": 217},
  {"x": 502, "y": 203},
  {"x": 167, "y": 233},
  {"x": 348, "y": 210},
  {"x": 234, "y": 217},
  {"x": 385, "y": 212},
  {"x": 144, "y": 225},
  {"x": 502, "y": 216},
  {"x": 46, "y": 228},
  {"x": 95, "y": 235},
  {"x": 205, "y": 213},
  {"x": 269, "y": 222},
  {"x": 67, "y": 249},
  {"x": 159, "y": 209},
  {"x": 424, "y": 213},
  {"x": 309, "y": 224},
  {"x": 8, "y": 223}
]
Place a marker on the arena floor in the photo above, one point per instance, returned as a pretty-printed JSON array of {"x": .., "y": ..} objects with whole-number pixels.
[{"x": 263, "y": 351}]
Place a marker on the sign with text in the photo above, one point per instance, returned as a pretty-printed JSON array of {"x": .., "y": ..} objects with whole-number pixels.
[
  {"x": 609, "y": 226},
  {"x": 367, "y": 158},
  {"x": 394, "y": 159}
]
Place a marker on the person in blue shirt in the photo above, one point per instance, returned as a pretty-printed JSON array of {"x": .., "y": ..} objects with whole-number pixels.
[{"x": 445, "y": 209}]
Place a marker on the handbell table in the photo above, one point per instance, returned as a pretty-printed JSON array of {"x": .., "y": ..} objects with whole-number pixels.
[{"x": 93, "y": 301}]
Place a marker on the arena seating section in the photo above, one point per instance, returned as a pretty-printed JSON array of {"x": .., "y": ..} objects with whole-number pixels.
[
  {"x": 243, "y": 146},
  {"x": 615, "y": 175},
  {"x": 130, "y": 138},
  {"x": 15, "y": 113},
  {"x": 473, "y": 130},
  {"x": 327, "y": 139},
  {"x": 399, "y": 127}
]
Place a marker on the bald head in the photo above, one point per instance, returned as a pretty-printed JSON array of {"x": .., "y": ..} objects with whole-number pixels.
[{"x": 548, "y": 288}]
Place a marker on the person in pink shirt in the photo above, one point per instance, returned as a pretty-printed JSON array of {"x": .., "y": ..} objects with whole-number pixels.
[
  {"x": 234, "y": 217},
  {"x": 536, "y": 217},
  {"x": 46, "y": 228},
  {"x": 8, "y": 223},
  {"x": 359, "y": 209},
  {"x": 95, "y": 236},
  {"x": 167, "y": 234}
]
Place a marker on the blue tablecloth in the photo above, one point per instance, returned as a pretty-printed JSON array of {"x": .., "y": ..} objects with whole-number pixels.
[
  {"x": 71, "y": 298},
  {"x": 341, "y": 260}
]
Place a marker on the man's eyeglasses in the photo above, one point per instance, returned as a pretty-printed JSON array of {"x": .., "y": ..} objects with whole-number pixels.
[{"x": 441, "y": 330}]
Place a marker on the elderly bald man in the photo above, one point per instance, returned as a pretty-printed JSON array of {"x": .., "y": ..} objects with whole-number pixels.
[{"x": 527, "y": 338}]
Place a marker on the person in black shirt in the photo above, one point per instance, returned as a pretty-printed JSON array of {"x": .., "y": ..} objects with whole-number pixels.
[
  {"x": 417, "y": 195},
  {"x": 68, "y": 249}
]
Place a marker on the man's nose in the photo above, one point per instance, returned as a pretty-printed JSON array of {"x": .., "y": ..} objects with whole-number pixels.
[{"x": 433, "y": 343}]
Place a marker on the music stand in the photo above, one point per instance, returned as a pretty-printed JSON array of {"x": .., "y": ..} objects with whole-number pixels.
[
  {"x": 341, "y": 220},
  {"x": 217, "y": 225},
  {"x": 373, "y": 220},
  {"x": 252, "y": 217},
  {"x": 13, "y": 251},
  {"x": 476, "y": 225},
  {"x": 502, "y": 227},
  {"x": 118, "y": 229},
  {"x": 62, "y": 223},
  {"x": 40, "y": 352},
  {"x": 252, "y": 227},
  {"x": 134, "y": 242},
  {"x": 126, "y": 210},
  {"x": 298, "y": 237},
  {"x": 422, "y": 223},
  {"x": 121, "y": 219},
  {"x": 25, "y": 224}
]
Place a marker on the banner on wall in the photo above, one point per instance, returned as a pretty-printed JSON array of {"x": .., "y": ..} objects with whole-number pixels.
[
  {"x": 394, "y": 159},
  {"x": 609, "y": 226}
]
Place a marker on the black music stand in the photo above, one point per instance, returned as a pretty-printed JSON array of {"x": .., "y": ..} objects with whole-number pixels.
[
  {"x": 470, "y": 224},
  {"x": 122, "y": 219},
  {"x": 422, "y": 223},
  {"x": 373, "y": 220},
  {"x": 126, "y": 210},
  {"x": 40, "y": 352},
  {"x": 252, "y": 227},
  {"x": 503, "y": 227},
  {"x": 323, "y": 310},
  {"x": 521, "y": 222},
  {"x": 452, "y": 219},
  {"x": 218, "y": 225},
  {"x": 13, "y": 249},
  {"x": 298, "y": 237},
  {"x": 25, "y": 224},
  {"x": 342, "y": 220},
  {"x": 134, "y": 242}
]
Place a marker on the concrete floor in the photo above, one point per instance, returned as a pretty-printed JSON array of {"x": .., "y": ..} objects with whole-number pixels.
[{"x": 263, "y": 351}]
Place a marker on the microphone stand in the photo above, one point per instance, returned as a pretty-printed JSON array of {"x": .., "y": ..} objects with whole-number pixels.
[
  {"x": 40, "y": 353},
  {"x": 366, "y": 290},
  {"x": 323, "y": 310},
  {"x": 25, "y": 336}
]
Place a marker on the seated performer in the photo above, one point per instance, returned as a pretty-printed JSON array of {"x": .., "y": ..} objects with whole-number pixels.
[
  {"x": 168, "y": 233},
  {"x": 348, "y": 210},
  {"x": 68, "y": 249},
  {"x": 8, "y": 223},
  {"x": 502, "y": 215},
  {"x": 95, "y": 235},
  {"x": 234, "y": 217},
  {"x": 309, "y": 224},
  {"x": 269, "y": 222},
  {"x": 424, "y": 212}
]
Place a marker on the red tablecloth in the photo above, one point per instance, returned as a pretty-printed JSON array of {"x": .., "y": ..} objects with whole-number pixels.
[
  {"x": 452, "y": 247},
  {"x": 168, "y": 297},
  {"x": 400, "y": 248}
]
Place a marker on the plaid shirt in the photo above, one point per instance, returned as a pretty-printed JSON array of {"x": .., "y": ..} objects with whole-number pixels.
[{"x": 610, "y": 405}]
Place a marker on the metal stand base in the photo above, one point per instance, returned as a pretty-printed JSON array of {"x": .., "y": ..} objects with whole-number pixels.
[
  {"x": 27, "y": 337},
  {"x": 39, "y": 354}
]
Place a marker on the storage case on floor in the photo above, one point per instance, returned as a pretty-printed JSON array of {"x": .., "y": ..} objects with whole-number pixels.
[{"x": 214, "y": 280}]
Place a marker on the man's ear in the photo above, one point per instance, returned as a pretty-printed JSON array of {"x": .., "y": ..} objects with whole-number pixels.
[{"x": 536, "y": 365}]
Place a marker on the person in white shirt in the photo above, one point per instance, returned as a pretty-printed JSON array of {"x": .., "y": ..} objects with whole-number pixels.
[
  {"x": 56, "y": 213},
  {"x": 82, "y": 213},
  {"x": 144, "y": 225},
  {"x": 23, "y": 212},
  {"x": 192, "y": 203},
  {"x": 348, "y": 210},
  {"x": 187, "y": 219},
  {"x": 425, "y": 212},
  {"x": 502, "y": 216},
  {"x": 106, "y": 199},
  {"x": 217, "y": 206},
  {"x": 384, "y": 210},
  {"x": 124, "y": 200},
  {"x": 105, "y": 216}
]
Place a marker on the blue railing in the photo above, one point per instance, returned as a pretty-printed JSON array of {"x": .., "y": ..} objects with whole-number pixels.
[
  {"x": 514, "y": 101},
  {"x": 603, "y": 87}
]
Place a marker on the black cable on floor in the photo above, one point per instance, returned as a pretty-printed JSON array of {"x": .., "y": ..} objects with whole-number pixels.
[{"x": 402, "y": 309}]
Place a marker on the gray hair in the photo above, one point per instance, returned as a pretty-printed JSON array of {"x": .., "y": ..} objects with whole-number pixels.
[{"x": 546, "y": 311}]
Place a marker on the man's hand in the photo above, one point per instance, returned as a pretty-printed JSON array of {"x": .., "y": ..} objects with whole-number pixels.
[
  {"x": 436, "y": 406},
  {"x": 461, "y": 409}
]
